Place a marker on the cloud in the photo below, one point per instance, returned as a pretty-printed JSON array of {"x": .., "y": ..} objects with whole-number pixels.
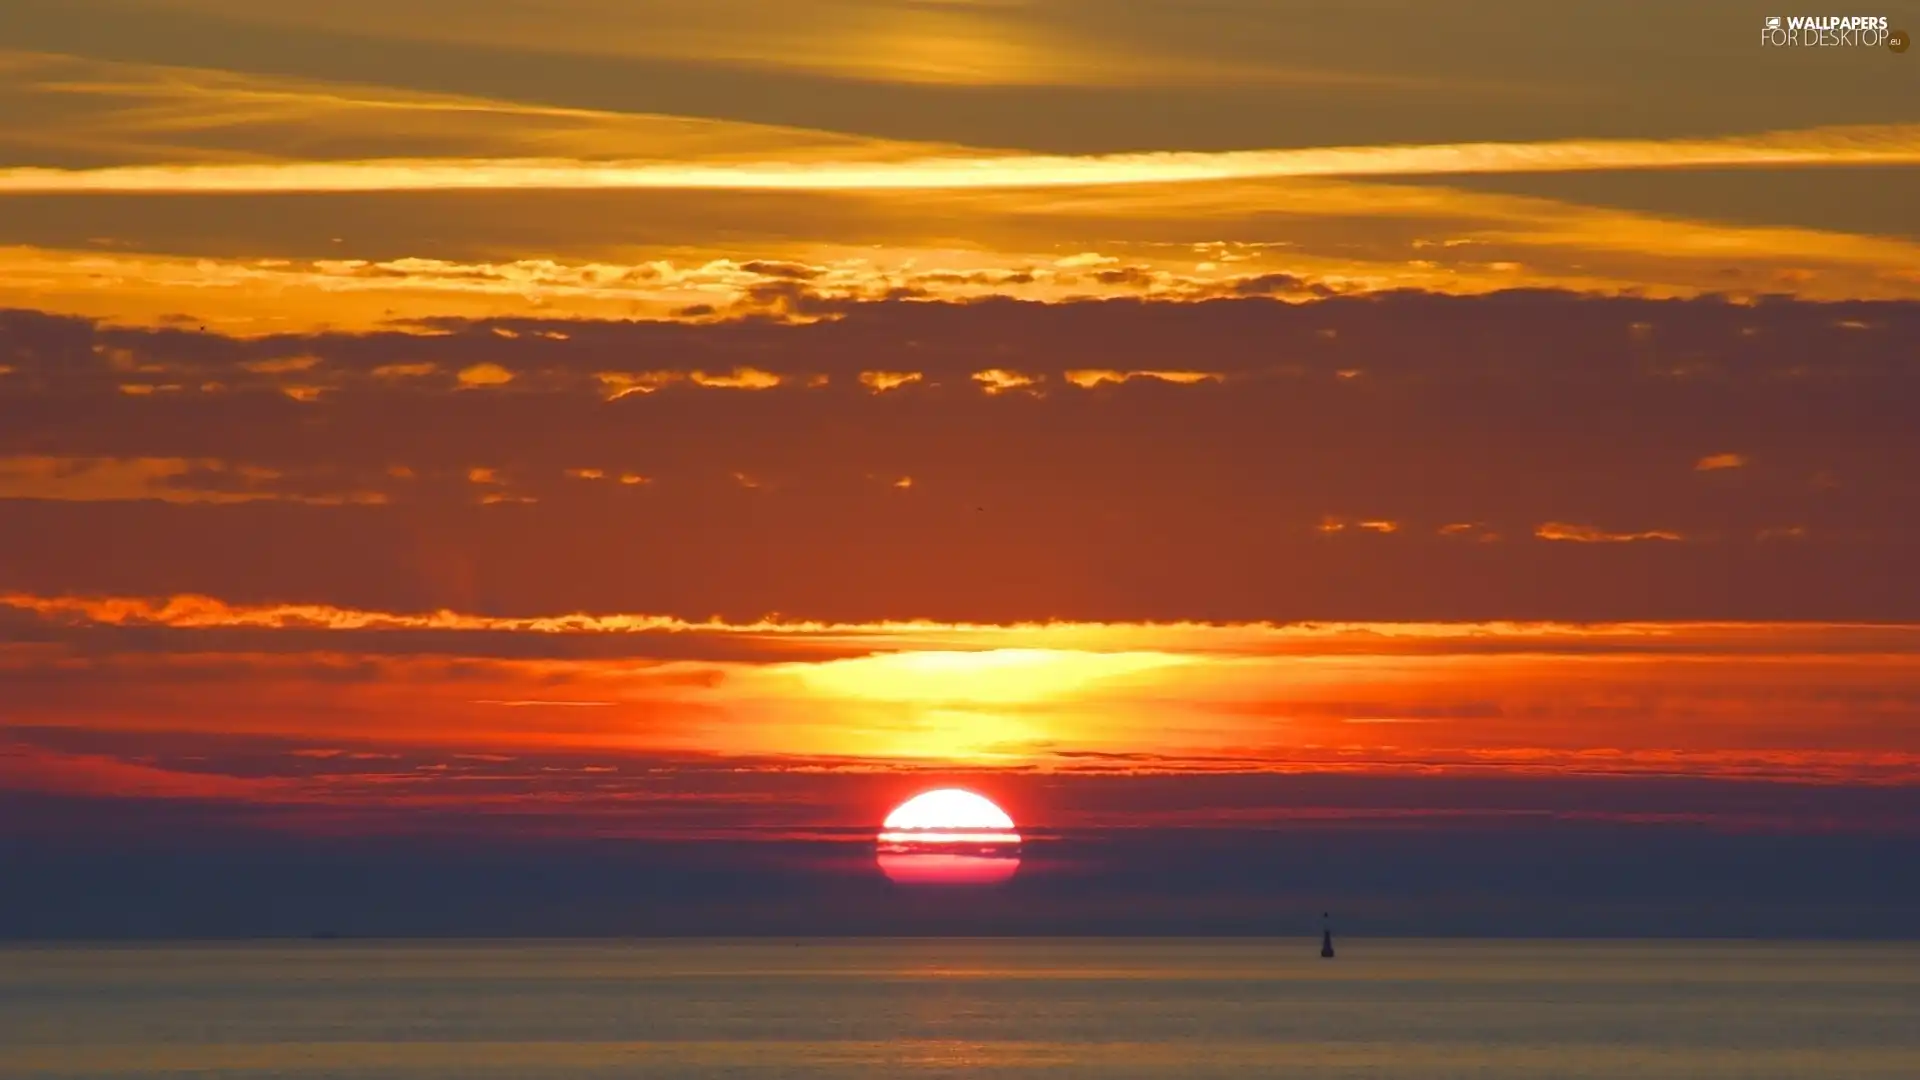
[
  {"x": 1593, "y": 534},
  {"x": 173, "y": 480},
  {"x": 404, "y": 371},
  {"x": 310, "y": 627},
  {"x": 413, "y": 788},
  {"x": 25, "y": 768},
  {"x": 1829, "y": 146},
  {"x": 481, "y": 375},
  {"x": 280, "y": 365},
  {"x": 1087, "y": 379},
  {"x": 1138, "y": 498},
  {"x": 92, "y": 107},
  {"x": 1713, "y": 462},
  {"x": 703, "y": 255},
  {"x": 684, "y": 728},
  {"x": 1746, "y": 702},
  {"x": 999, "y": 381},
  {"x": 737, "y": 379},
  {"x": 933, "y": 45},
  {"x": 882, "y": 381}
]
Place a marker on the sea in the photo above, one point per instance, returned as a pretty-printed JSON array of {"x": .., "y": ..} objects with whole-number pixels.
[{"x": 1069, "y": 1009}]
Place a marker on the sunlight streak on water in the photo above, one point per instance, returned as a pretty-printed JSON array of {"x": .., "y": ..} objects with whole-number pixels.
[{"x": 962, "y": 1008}]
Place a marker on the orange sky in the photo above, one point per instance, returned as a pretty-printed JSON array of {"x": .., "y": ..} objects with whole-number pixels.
[
  {"x": 389, "y": 392},
  {"x": 1801, "y": 703}
]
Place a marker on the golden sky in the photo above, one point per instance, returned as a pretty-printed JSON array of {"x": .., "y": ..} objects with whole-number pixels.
[{"x": 290, "y": 166}]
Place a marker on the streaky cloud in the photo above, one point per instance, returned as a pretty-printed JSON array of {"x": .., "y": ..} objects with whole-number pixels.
[
  {"x": 1881, "y": 145},
  {"x": 191, "y": 613}
]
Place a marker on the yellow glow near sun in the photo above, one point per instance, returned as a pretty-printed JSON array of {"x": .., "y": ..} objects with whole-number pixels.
[
  {"x": 961, "y": 735},
  {"x": 977, "y": 705},
  {"x": 994, "y": 676}
]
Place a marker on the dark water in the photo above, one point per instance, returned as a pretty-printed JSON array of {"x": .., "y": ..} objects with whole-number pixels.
[{"x": 961, "y": 1008}]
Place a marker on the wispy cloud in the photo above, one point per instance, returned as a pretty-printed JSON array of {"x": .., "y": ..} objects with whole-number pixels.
[
  {"x": 174, "y": 480},
  {"x": 151, "y": 112},
  {"x": 929, "y": 43},
  {"x": 1594, "y": 534},
  {"x": 188, "y": 612},
  {"x": 1897, "y": 144},
  {"x": 1716, "y": 462}
]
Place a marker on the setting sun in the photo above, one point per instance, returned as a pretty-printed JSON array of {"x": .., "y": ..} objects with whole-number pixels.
[
  {"x": 948, "y": 837},
  {"x": 949, "y": 813}
]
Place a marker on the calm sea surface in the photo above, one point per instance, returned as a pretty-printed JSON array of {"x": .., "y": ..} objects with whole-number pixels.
[{"x": 960, "y": 1008}]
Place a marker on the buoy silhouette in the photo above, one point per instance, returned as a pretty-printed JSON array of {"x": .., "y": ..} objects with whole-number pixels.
[{"x": 1326, "y": 937}]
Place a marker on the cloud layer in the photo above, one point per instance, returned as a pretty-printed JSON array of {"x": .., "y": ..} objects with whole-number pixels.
[
  {"x": 1530, "y": 455},
  {"x": 1890, "y": 145}
]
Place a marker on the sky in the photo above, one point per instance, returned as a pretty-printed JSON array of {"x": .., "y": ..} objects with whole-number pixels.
[{"x": 572, "y": 467}]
